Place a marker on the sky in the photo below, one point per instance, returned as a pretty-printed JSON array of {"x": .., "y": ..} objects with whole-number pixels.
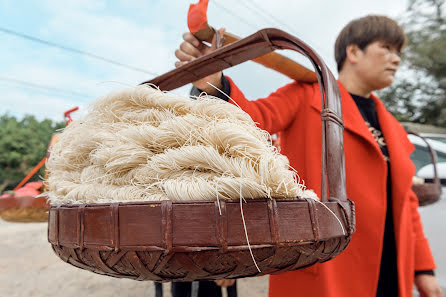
[{"x": 45, "y": 81}]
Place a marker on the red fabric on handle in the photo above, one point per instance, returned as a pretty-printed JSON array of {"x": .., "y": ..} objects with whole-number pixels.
[{"x": 197, "y": 16}]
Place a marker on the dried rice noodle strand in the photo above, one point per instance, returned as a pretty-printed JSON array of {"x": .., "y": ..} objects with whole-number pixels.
[
  {"x": 144, "y": 97},
  {"x": 141, "y": 97},
  {"x": 218, "y": 109},
  {"x": 145, "y": 175},
  {"x": 74, "y": 146},
  {"x": 201, "y": 189},
  {"x": 233, "y": 141},
  {"x": 146, "y": 116},
  {"x": 200, "y": 157},
  {"x": 147, "y": 136},
  {"x": 126, "y": 157},
  {"x": 69, "y": 176},
  {"x": 99, "y": 193}
]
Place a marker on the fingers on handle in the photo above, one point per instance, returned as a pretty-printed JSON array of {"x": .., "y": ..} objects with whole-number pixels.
[
  {"x": 190, "y": 49},
  {"x": 221, "y": 32},
  {"x": 225, "y": 282},
  {"x": 180, "y": 63},
  {"x": 190, "y": 38},
  {"x": 182, "y": 56}
]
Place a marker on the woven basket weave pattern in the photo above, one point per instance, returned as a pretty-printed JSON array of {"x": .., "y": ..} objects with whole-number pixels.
[{"x": 208, "y": 265}]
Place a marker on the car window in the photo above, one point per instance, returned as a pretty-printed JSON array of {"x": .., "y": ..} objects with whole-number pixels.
[{"x": 421, "y": 157}]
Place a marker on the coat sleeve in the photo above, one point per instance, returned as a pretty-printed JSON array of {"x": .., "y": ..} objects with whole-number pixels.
[
  {"x": 277, "y": 111},
  {"x": 423, "y": 255}
]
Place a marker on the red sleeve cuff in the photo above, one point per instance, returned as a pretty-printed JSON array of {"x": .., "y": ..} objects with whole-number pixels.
[{"x": 423, "y": 256}]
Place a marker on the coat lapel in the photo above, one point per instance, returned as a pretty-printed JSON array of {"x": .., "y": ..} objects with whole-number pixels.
[
  {"x": 399, "y": 146},
  {"x": 402, "y": 168}
]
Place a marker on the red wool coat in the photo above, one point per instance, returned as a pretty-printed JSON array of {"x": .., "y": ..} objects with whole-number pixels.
[{"x": 294, "y": 111}]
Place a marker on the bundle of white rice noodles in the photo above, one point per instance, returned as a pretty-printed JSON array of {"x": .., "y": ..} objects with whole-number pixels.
[{"x": 141, "y": 144}]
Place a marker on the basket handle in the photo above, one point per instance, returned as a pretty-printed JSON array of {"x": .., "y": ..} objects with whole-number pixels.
[
  {"x": 259, "y": 44},
  {"x": 432, "y": 153}
]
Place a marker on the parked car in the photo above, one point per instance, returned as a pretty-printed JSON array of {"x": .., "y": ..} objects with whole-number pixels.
[{"x": 427, "y": 172}]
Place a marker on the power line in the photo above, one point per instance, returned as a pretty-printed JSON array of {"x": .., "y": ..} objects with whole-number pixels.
[
  {"x": 31, "y": 85},
  {"x": 74, "y": 50},
  {"x": 233, "y": 14},
  {"x": 36, "y": 91},
  {"x": 266, "y": 14}
]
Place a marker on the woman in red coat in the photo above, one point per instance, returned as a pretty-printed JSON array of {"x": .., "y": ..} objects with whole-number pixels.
[{"x": 388, "y": 253}]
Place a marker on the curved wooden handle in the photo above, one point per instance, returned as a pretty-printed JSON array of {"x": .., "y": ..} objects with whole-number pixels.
[
  {"x": 280, "y": 63},
  {"x": 273, "y": 60}
]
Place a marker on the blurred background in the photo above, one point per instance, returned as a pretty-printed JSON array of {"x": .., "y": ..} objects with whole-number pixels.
[{"x": 56, "y": 55}]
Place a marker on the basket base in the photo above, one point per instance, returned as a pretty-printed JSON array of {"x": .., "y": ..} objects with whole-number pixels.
[{"x": 202, "y": 265}]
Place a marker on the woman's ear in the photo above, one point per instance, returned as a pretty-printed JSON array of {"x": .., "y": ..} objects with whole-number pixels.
[{"x": 352, "y": 53}]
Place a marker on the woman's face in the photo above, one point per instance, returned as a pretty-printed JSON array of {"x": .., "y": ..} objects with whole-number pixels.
[{"x": 377, "y": 64}]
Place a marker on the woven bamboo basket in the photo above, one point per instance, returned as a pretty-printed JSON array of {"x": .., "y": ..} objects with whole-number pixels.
[
  {"x": 430, "y": 192},
  {"x": 187, "y": 241},
  {"x": 24, "y": 209}
]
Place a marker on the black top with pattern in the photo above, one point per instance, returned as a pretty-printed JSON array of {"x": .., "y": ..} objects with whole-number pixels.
[{"x": 388, "y": 276}]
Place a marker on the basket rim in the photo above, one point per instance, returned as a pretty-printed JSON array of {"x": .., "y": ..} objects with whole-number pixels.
[
  {"x": 167, "y": 225},
  {"x": 247, "y": 200}
]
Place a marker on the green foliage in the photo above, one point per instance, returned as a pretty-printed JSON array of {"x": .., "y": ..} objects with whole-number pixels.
[
  {"x": 23, "y": 143},
  {"x": 420, "y": 96}
]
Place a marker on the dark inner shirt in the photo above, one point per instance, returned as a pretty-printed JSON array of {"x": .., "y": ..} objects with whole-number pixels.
[{"x": 388, "y": 277}]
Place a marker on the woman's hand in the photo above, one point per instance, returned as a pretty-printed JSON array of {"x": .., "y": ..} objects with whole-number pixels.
[
  {"x": 225, "y": 282},
  {"x": 428, "y": 286},
  {"x": 192, "y": 48}
]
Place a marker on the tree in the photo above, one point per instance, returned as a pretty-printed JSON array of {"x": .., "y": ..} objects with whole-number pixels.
[
  {"x": 22, "y": 145},
  {"x": 420, "y": 95}
]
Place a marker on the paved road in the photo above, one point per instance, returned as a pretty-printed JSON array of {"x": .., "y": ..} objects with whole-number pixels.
[{"x": 28, "y": 267}]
